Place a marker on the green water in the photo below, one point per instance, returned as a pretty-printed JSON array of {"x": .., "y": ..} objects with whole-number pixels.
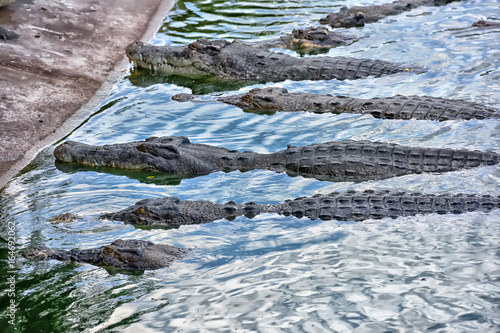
[{"x": 273, "y": 273}]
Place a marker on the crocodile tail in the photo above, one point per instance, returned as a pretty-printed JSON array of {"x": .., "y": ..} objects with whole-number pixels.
[{"x": 358, "y": 206}]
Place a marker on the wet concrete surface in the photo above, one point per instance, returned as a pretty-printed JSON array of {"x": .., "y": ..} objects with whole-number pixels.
[{"x": 65, "y": 62}]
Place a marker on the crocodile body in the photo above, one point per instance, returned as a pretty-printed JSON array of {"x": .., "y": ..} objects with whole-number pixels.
[
  {"x": 358, "y": 16},
  {"x": 395, "y": 107},
  {"x": 123, "y": 254},
  {"x": 239, "y": 61},
  {"x": 334, "y": 161},
  {"x": 346, "y": 206}
]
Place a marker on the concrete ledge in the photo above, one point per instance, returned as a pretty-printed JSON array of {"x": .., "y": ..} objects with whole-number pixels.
[{"x": 63, "y": 65}]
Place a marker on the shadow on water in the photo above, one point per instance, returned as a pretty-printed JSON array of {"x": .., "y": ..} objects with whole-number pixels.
[
  {"x": 144, "y": 78},
  {"x": 141, "y": 176}
]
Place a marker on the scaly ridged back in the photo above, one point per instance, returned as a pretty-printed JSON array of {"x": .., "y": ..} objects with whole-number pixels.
[
  {"x": 363, "y": 160},
  {"x": 357, "y": 206}
]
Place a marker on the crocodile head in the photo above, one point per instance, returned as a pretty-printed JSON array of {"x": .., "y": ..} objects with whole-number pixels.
[
  {"x": 123, "y": 254},
  {"x": 172, "y": 212},
  {"x": 168, "y": 154},
  {"x": 197, "y": 59},
  {"x": 257, "y": 98},
  {"x": 344, "y": 18}
]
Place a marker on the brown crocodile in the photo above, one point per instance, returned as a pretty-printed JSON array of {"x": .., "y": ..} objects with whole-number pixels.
[
  {"x": 395, "y": 107},
  {"x": 132, "y": 254},
  {"x": 486, "y": 24},
  {"x": 4, "y": 33}
]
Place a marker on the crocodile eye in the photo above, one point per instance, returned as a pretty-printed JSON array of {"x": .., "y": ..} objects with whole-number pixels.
[
  {"x": 108, "y": 250},
  {"x": 141, "y": 210}
]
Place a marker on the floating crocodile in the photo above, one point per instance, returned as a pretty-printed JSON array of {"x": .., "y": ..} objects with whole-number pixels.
[
  {"x": 358, "y": 16},
  {"x": 310, "y": 39},
  {"x": 123, "y": 254},
  {"x": 239, "y": 61},
  {"x": 395, "y": 107},
  {"x": 334, "y": 161},
  {"x": 346, "y": 206},
  {"x": 486, "y": 24}
]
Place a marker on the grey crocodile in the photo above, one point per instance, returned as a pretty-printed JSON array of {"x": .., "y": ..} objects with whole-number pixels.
[
  {"x": 130, "y": 254},
  {"x": 395, "y": 107},
  {"x": 310, "y": 39},
  {"x": 346, "y": 206},
  {"x": 239, "y": 61},
  {"x": 334, "y": 161},
  {"x": 358, "y": 16}
]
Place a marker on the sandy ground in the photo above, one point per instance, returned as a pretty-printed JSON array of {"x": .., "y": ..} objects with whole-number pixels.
[{"x": 65, "y": 62}]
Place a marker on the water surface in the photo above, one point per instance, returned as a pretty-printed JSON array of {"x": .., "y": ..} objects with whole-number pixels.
[{"x": 275, "y": 273}]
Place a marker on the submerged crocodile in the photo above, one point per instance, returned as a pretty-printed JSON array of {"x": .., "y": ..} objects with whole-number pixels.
[
  {"x": 395, "y": 107},
  {"x": 486, "y": 24},
  {"x": 334, "y": 161},
  {"x": 310, "y": 39},
  {"x": 358, "y": 16},
  {"x": 122, "y": 254},
  {"x": 346, "y": 206},
  {"x": 239, "y": 61}
]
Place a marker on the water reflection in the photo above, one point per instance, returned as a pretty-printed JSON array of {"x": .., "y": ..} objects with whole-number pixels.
[{"x": 274, "y": 273}]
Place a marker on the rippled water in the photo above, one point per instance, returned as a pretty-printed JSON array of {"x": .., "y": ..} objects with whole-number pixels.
[{"x": 275, "y": 273}]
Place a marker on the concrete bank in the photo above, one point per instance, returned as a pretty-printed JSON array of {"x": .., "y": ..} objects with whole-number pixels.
[{"x": 65, "y": 62}]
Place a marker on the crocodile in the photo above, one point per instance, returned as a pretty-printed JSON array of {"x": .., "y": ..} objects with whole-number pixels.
[
  {"x": 358, "y": 16},
  {"x": 395, "y": 107},
  {"x": 132, "y": 254},
  {"x": 342, "y": 206},
  {"x": 239, "y": 61},
  {"x": 333, "y": 161},
  {"x": 310, "y": 39},
  {"x": 486, "y": 24}
]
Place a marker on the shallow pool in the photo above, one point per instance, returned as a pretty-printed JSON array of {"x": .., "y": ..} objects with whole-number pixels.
[{"x": 274, "y": 273}]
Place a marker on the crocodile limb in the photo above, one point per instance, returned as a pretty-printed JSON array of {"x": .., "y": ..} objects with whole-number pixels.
[
  {"x": 239, "y": 61},
  {"x": 358, "y": 16},
  {"x": 335, "y": 161},
  {"x": 395, "y": 107},
  {"x": 345, "y": 206},
  {"x": 131, "y": 254}
]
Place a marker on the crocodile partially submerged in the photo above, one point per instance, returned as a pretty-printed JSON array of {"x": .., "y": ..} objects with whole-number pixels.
[
  {"x": 138, "y": 255},
  {"x": 239, "y": 61},
  {"x": 358, "y": 16},
  {"x": 395, "y": 107},
  {"x": 486, "y": 24},
  {"x": 346, "y": 206},
  {"x": 334, "y": 161},
  {"x": 310, "y": 39}
]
